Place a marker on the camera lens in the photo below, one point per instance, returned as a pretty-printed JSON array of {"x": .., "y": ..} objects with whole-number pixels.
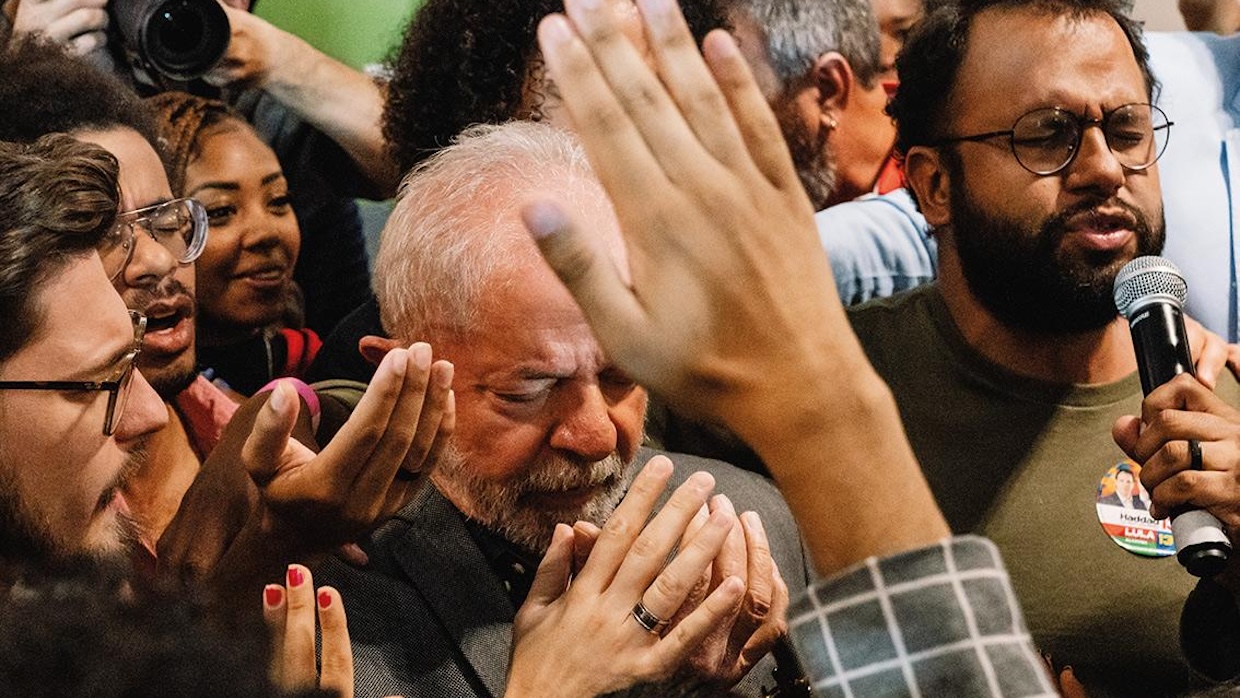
[
  {"x": 181, "y": 39},
  {"x": 185, "y": 38},
  {"x": 178, "y": 30}
]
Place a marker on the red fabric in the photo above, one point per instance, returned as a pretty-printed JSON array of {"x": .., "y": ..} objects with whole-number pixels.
[
  {"x": 890, "y": 176},
  {"x": 303, "y": 345}
]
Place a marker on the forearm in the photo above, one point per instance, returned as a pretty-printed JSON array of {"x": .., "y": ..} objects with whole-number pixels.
[
  {"x": 343, "y": 103},
  {"x": 845, "y": 444}
]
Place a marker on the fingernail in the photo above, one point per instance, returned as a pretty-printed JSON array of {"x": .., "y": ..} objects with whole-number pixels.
[
  {"x": 703, "y": 481},
  {"x": 544, "y": 218},
  {"x": 295, "y": 576},
  {"x": 398, "y": 357},
  {"x": 753, "y": 521},
  {"x": 273, "y": 594},
  {"x": 650, "y": 7},
  {"x": 278, "y": 401},
  {"x": 325, "y": 599},
  {"x": 445, "y": 375},
  {"x": 421, "y": 355}
]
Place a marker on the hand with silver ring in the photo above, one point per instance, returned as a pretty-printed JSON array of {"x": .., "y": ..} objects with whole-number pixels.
[
  {"x": 604, "y": 631},
  {"x": 649, "y": 621}
]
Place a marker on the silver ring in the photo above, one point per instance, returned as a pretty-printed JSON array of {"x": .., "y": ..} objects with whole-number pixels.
[
  {"x": 1194, "y": 454},
  {"x": 646, "y": 619}
]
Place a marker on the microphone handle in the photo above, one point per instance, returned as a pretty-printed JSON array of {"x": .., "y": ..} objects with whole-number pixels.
[
  {"x": 1159, "y": 360},
  {"x": 1202, "y": 546}
]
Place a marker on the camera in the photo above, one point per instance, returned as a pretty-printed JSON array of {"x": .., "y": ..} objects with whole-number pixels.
[{"x": 177, "y": 39}]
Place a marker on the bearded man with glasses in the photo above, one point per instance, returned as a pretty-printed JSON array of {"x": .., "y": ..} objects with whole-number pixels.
[
  {"x": 74, "y": 414},
  {"x": 1031, "y": 147}
]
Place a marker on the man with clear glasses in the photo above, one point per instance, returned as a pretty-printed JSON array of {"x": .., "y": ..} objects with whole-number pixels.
[
  {"x": 74, "y": 414},
  {"x": 148, "y": 255},
  {"x": 1031, "y": 148},
  {"x": 180, "y": 226}
]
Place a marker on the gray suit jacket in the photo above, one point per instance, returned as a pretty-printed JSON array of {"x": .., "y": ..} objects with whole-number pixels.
[{"x": 428, "y": 618}]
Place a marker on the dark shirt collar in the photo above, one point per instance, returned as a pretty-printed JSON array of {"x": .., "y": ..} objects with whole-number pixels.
[{"x": 513, "y": 564}]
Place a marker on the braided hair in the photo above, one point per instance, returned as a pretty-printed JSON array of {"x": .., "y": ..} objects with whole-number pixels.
[{"x": 180, "y": 118}]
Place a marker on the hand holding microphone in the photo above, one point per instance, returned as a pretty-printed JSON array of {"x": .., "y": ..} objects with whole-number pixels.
[{"x": 1150, "y": 292}]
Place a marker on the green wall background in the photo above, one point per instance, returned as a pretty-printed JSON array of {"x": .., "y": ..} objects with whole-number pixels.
[{"x": 356, "y": 32}]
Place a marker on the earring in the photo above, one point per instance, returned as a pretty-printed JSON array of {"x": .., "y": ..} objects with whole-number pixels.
[{"x": 832, "y": 124}]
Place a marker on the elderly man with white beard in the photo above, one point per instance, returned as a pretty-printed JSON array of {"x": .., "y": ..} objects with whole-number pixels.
[{"x": 548, "y": 432}]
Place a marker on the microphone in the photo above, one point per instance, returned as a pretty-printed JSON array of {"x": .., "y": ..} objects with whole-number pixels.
[{"x": 1150, "y": 292}]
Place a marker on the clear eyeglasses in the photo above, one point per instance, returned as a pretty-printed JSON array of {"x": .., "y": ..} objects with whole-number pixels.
[{"x": 179, "y": 225}]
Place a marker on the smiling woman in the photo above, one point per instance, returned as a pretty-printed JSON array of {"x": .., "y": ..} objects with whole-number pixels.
[{"x": 250, "y": 309}]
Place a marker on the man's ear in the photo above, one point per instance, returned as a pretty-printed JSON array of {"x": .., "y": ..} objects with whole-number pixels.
[
  {"x": 833, "y": 77},
  {"x": 928, "y": 177},
  {"x": 374, "y": 348}
]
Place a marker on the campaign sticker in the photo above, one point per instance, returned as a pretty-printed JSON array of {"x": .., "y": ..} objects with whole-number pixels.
[{"x": 1123, "y": 510}]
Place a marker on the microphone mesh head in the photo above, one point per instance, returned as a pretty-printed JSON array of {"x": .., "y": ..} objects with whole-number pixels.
[{"x": 1148, "y": 279}]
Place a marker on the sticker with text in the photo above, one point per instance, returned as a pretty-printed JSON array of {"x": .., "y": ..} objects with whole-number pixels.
[{"x": 1123, "y": 510}]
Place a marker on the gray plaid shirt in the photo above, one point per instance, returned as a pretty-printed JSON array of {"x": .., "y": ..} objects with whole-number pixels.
[{"x": 939, "y": 621}]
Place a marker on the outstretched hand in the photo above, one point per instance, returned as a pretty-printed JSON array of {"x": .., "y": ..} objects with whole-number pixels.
[
  {"x": 372, "y": 465},
  {"x": 683, "y": 164},
  {"x": 289, "y": 612},
  {"x": 264, "y": 499}
]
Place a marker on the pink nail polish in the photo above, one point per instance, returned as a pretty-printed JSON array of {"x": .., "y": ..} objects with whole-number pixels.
[
  {"x": 325, "y": 599},
  {"x": 295, "y": 577},
  {"x": 273, "y": 594}
]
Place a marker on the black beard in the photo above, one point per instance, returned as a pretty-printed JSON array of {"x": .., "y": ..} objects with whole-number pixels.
[
  {"x": 1027, "y": 280},
  {"x": 169, "y": 385}
]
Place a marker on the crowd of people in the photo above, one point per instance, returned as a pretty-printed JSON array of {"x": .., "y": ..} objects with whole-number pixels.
[{"x": 721, "y": 348}]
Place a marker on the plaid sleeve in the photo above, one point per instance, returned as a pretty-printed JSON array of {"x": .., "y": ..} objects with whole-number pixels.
[{"x": 939, "y": 621}]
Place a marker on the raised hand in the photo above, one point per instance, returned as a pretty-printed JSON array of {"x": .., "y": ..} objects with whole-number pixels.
[{"x": 729, "y": 311}]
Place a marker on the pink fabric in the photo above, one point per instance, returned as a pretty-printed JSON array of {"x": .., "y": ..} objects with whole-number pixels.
[
  {"x": 306, "y": 392},
  {"x": 206, "y": 411}
]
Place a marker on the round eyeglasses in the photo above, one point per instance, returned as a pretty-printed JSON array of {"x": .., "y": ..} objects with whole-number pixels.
[
  {"x": 179, "y": 225},
  {"x": 118, "y": 386},
  {"x": 1047, "y": 140}
]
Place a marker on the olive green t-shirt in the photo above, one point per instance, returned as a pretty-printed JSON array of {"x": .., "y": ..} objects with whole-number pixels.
[{"x": 1020, "y": 461}]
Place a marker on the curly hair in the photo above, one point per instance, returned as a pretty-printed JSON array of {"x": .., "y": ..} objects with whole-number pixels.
[
  {"x": 464, "y": 62},
  {"x": 45, "y": 90},
  {"x": 935, "y": 49},
  {"x": 60, "y": 196},
  {"x": 180, "y": 117}
]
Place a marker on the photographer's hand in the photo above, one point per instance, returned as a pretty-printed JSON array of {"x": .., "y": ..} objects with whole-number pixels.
[{"x": 78, "y": 24}]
